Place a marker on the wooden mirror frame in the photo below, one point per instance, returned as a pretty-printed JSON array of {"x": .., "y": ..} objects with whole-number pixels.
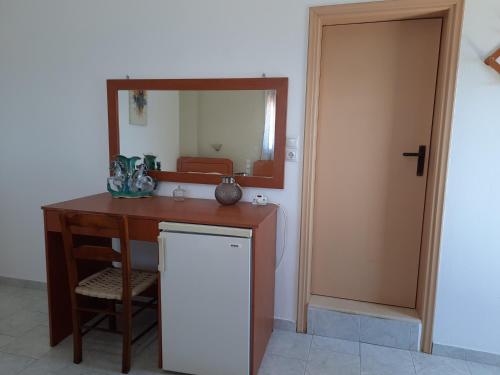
[
  {"x": 279, "y": 84},
  {"x": 493, "y": 60}
]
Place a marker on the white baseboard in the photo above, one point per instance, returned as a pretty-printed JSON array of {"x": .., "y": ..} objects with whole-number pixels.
[
  {"x": 466, "y": 354},
  {"x": 285, "y": 325},
  {"x": 20, "y": 283}
]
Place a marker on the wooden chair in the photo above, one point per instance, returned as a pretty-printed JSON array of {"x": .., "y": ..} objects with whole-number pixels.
[{"x": 110, "y": 285}]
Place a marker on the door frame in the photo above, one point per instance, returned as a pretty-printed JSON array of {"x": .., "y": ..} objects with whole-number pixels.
[{"x": 451, "y": 11}]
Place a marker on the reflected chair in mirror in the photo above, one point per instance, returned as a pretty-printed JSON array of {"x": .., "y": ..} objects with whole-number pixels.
[
  {"x": 263, "y": 168},
  {"x": 95, "y": 296},
  {"x": 205, "y": 165}
]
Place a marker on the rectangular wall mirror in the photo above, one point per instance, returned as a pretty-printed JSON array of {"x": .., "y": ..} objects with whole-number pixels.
[{"x": 202, "y": 129}]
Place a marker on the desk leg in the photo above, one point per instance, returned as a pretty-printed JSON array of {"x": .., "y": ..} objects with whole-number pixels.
[
  {"x": 262, "y": 321},
  {"x": 59, "y": 303},
  {"x": 57, "y": 289}
]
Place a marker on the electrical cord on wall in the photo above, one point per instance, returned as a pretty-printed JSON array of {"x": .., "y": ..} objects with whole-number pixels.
[{"x": 283, "y": 247}]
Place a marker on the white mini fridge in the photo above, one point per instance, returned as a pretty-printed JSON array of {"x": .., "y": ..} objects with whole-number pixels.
[{"x": 205, "y": 298}]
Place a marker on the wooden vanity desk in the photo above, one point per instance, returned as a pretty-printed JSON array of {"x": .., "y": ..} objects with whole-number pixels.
[{"x": 144, "y": 215}]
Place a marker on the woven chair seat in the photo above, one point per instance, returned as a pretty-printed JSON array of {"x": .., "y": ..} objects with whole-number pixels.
[{"x": 107, "y": 283}]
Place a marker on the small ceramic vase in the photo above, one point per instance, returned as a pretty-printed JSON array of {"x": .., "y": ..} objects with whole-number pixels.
[
  {"x": 228, "y": 191},
  {"x": 128, "y": 163},
  {"x": 150, "y": 161}
]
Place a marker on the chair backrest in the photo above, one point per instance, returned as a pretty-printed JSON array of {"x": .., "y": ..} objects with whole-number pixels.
[{"x": 95, "y": 225}]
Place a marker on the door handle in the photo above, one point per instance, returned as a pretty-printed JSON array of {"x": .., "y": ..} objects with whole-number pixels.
[{"x": 421, "y": 159}]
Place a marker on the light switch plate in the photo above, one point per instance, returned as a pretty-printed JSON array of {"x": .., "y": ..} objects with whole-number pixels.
[{"x": 292, "y": 142}]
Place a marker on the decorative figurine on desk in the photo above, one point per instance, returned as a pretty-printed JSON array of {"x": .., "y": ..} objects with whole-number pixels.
[
  {"x": 128, "y": 181},
  {"x": 228, "y": 191}
]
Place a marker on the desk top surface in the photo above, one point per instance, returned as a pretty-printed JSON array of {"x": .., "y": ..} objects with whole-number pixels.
[{"x": 191, "y": 210}]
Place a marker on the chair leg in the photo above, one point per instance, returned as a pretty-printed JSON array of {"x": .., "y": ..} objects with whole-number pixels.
[
  {"x": 127, "y": 336},
  {"x": 77, "y": 337},
  {"x": 112, "y": 318}
]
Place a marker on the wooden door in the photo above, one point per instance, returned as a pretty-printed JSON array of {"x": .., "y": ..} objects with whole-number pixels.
[{"x": 376, "y": 100}]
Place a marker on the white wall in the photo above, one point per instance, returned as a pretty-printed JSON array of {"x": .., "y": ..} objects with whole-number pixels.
[
  {"x": 189, "y": 105},
  {"x": 56, "y": 55},
  {"x": 160, "y": 135},
  {"x": 468, "y": 300}
]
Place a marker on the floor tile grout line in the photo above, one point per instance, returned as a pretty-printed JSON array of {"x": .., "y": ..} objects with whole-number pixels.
[
  {"x": 304, "y": 361},
  {"x": 308, "y": 361},
  {"x": 27, "y": 366},
  {"x": 309, "y": 350},
  {"x": 279, "y": 355},
  {"x": 360, "y": 369},
  {"x": 20, "y": 356},
  {"x": 413, "y": 363},
  {"x": 468, "y": 367}
]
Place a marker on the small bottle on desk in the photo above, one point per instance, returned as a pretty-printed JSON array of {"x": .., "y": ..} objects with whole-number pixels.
[{"x": 178, "y": 194}]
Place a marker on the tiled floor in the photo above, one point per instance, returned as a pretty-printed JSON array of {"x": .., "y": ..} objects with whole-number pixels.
[{"x": 24, "y": 350}]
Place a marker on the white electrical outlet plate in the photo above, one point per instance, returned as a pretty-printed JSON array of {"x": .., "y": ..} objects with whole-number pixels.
[{"x": 291, "y": 154}]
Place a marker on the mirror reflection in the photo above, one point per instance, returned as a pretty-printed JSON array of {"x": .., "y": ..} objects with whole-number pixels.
[{"x": 218, "y": 132}]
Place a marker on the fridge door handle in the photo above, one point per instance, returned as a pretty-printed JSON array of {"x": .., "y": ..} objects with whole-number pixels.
[{"x": 161, "y": 253}]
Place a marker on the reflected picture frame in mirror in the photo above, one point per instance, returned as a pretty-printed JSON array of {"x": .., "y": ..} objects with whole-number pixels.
[{"x": 272, "y": 172}]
